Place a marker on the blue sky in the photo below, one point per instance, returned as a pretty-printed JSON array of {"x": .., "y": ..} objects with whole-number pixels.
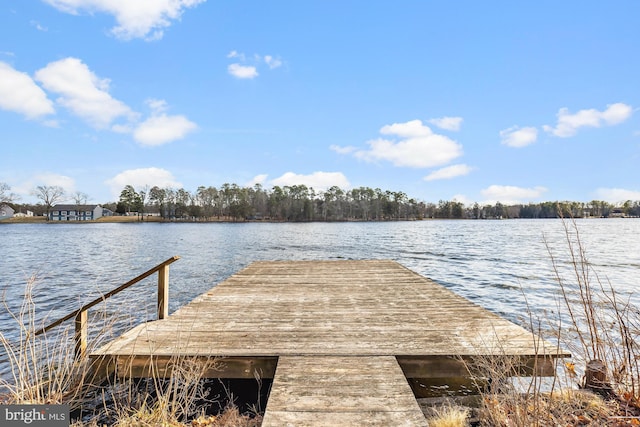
[{"x": 473, "y": 101}]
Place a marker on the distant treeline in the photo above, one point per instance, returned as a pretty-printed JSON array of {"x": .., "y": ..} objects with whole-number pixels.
[
  {"x": 231, "y": 202},
  {"x": 302, "y": 203}
]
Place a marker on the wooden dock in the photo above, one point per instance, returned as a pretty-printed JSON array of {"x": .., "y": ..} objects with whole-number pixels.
[{"x": 339, "y": 338}]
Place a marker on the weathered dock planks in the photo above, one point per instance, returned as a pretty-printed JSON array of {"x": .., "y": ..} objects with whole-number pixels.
[
  {"x": 341, "y": 391},
  {"x": 286, "y": 319}
]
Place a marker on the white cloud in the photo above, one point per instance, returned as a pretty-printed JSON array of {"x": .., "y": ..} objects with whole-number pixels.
[
  {"x": 519, "y": 137},
  {"x": 63, "y": 181},
  {"x": 258, "y": 179},
  {"x": 242, "y": 71},
  {"x": 568, "y": 124},
  {"x": 272, "y": 62},
  {"x": 418, "y": 147},
  {"x": 87, "y": 96},
  {"x": 616, "y": 113},
  {"x": 25, "y": 188},
  {"x": 122, "y": 129},
  {"x": 318, "y": 180},
  {"x": 157, "y": 106},
  {"x": 82, "y": 92},
  {"x": 162, "y": 129},
  {"x": 135, "y": 18},
  {"x": 507, "y": 194},
  {"x": 447, "y": 123},
  {"x": 51, "y": 123},
  {"x": 449, "y": 172},
  {"x": 246, "y": 67},
  {"x": 342, "y": 150},
  {"x": 410, "y": 129},
  {"x": 7, "y": 53},
  {"x": 616, "y": 195},
  {"x": 19, "y": 93},
  {"x": 38, "y": 27},
  {"x": 140, "y": 178},
  {"x": 462, "y": 199}
]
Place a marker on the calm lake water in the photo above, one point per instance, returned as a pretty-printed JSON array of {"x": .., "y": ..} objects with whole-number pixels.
[{"x": 493, "y": 263}]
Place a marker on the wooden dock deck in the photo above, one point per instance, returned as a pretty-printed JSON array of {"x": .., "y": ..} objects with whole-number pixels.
[{"x": 340, "y": 339}]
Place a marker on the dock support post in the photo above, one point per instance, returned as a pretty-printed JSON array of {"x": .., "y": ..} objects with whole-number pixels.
[
  {"x": 595, "y": 379},
  {"x": 81, "y": 328},
  {"x": 163, "y": 292}
]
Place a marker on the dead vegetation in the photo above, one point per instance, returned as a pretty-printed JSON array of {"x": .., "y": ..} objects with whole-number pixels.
[{"x": 44, "y": 369}]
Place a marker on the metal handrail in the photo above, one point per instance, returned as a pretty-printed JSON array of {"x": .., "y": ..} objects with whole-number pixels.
[{"x": 81, "y": 314}]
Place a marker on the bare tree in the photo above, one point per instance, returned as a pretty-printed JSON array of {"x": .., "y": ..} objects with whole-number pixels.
[
  {"x": 50, "y": 195},
  {"x": 5, "y": 196},
  {"x": 80, "y": 198}
]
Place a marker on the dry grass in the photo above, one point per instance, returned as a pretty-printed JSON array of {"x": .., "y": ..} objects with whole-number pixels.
[
  {"x": 25, "y": 219},
  {"x": 43, "y": 369},
  {"x": 130, "y": 218},
  {"x": 449, "y": 416},
  {"x": 561, "y": 408},
  {"x": 156, "y": 416}
]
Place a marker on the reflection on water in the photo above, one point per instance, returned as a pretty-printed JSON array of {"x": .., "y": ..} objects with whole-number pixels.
[{"x": 501, "y": 265}]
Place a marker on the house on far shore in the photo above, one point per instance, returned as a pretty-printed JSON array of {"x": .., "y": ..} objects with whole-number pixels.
[
  {"x": 617, "y": 213},
  {"x": 77, "y": 212},
  {"x": 23, "y": 214},
  {"x": 6, "y": 211}
]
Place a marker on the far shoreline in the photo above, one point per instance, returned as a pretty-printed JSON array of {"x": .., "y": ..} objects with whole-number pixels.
[{"x": 158, "y": 220}]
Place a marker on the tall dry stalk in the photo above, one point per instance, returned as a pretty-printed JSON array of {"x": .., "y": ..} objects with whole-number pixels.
[
  {"x": 512, "y": 400},
  {"x": 602, "y": 325},
  {"x": 596, "y": 323},
  {"x": 507, "y": 398},
  {"x": 42, "y": 369}
]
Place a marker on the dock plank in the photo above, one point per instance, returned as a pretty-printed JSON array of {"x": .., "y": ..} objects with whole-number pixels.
[{"x": 338, "y": 391}]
